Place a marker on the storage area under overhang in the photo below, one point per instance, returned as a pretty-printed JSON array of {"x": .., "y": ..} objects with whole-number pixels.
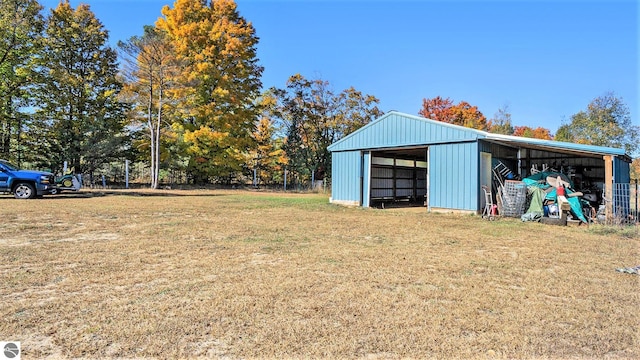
[
  {"x": 585, "y": 169},
  {"x": 591, "y": 173}
]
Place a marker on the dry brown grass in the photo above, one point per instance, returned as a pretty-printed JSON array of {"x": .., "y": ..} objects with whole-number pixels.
[{"x": 233, "y": 274}]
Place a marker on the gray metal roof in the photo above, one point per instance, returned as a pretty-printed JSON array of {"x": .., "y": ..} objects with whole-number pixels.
[{"x": 554, "y": 145}]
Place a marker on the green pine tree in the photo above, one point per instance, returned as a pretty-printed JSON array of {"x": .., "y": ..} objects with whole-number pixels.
[
  {"x": 79, "y": 91},
  {"x": 20, "y": 30}
]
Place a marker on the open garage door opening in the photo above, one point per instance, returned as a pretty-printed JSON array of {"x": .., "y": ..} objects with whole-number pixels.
[{"x": 399, "y": 178}]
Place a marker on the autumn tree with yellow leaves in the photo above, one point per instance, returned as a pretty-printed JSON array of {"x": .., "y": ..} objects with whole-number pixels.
[
  {"x": 218, "y": 84},
  {"x": 268, "y": 157}
]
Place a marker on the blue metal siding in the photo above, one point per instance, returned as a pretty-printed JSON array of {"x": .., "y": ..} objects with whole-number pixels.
[
  {"x": 398, "y": 130},
  {"x": 621, "y": 171},
  {"x": 453, "y": 176},
  {"x": 484, "y": 146},
  {"x": 345, "y": 176}
]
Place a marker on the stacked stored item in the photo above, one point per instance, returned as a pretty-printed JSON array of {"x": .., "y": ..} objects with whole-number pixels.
[{"x": 514, "y": 198}]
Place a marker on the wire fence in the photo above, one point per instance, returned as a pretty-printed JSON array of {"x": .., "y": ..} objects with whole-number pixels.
[{"x": 623, "y": 204}]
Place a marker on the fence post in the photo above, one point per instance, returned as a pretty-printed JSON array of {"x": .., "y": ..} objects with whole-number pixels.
[
  {"x": 637, "y": 212},
  {"x": 255, "y": 178}
]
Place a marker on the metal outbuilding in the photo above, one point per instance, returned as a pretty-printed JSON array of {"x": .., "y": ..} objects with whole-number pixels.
[{"x": 406, "y": 159}]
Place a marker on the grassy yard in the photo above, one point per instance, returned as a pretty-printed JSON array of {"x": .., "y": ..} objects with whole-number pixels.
[{"x": 232, "y": 274}]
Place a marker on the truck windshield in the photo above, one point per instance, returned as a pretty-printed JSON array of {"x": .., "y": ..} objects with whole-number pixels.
[{"x": 9, "y": 166}]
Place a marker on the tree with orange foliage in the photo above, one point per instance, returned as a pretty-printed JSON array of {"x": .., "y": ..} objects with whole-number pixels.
[
  {"x": 542, "y": 133},
  {"x": 463, "y": 114},
  {"x": 537, "y": 133},
  {"x": 469, "y": 116},
  {"x": 437, "y": 109}
]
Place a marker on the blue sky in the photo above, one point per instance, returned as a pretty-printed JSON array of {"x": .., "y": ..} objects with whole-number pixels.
[{"x": 545, "y": 59}]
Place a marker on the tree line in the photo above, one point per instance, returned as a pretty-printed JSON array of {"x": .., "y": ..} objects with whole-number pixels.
[{"x": 186, "y": 97}]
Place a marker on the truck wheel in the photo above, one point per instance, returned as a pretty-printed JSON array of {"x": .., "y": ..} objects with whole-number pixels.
[{"x": 24, "y": 191}]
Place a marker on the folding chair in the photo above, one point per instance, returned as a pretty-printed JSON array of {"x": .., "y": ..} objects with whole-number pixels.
[{"x": 488, "y": 203}]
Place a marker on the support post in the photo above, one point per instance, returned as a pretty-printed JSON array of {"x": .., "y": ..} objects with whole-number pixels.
[
  {"x": 393, "y": 174},
  {"x": 608, "y": 187}
]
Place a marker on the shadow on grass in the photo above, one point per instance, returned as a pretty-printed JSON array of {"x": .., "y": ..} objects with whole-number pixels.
[{"x": 147, "y": 193}]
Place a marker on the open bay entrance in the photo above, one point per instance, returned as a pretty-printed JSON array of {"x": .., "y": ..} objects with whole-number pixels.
[{"x": 399, "y": 178}]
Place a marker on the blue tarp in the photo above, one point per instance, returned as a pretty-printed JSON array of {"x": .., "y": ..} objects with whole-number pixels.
[{"x": 540, "y": 180}]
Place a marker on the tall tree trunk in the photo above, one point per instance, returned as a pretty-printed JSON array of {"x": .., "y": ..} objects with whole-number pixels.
[
  {"x": 152, "y": 140},
  {"x": 19, "y": 141},
  {"x": 157, "y": 130}
]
